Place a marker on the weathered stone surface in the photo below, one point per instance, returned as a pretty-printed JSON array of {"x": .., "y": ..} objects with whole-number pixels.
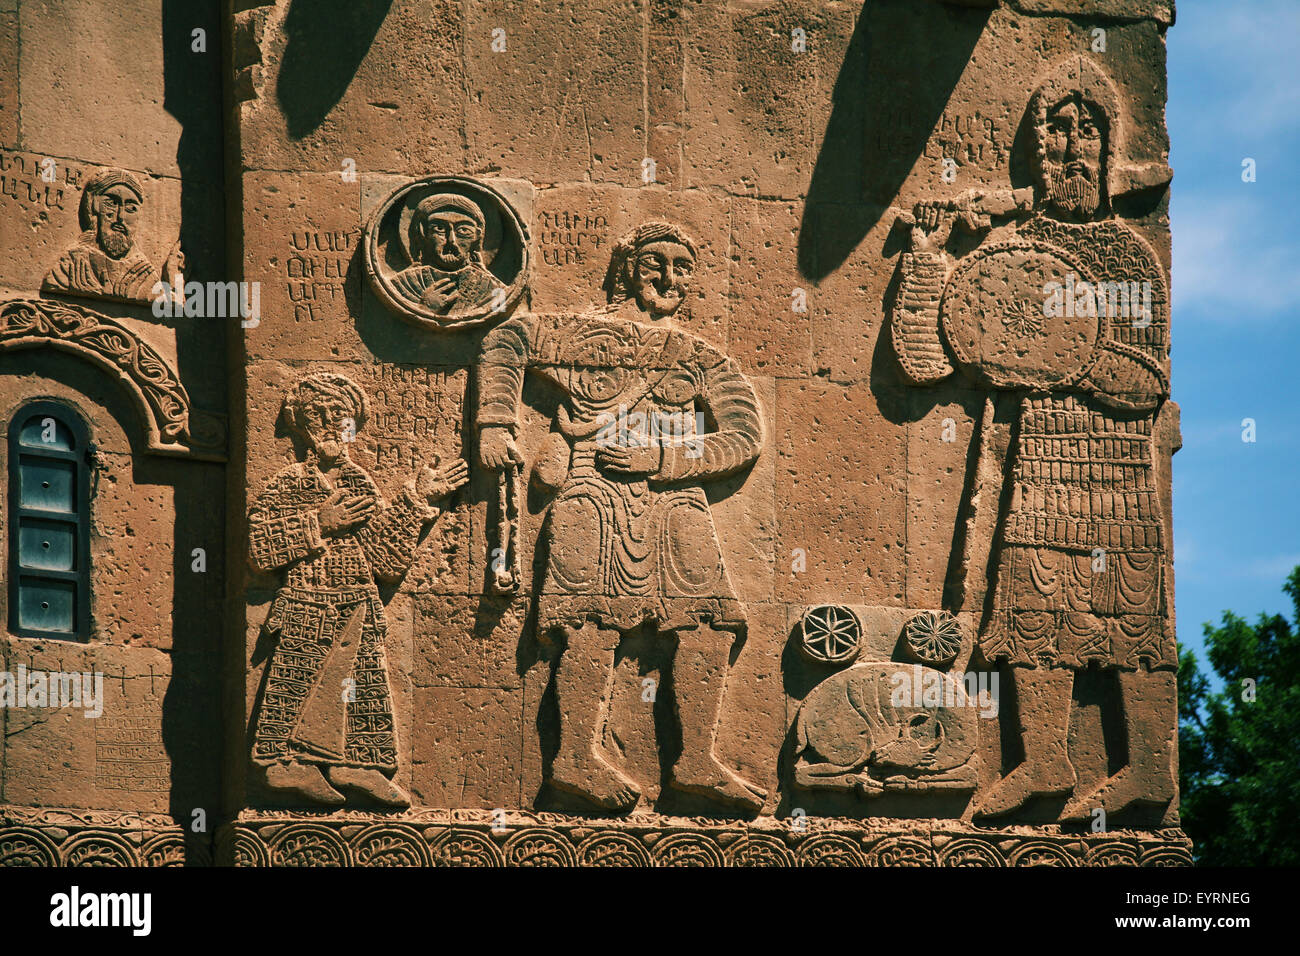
[{"x": 644, "y": 435}]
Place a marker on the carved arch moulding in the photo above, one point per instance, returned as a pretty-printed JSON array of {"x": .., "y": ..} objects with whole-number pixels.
[{"x": 169, "y": 423}]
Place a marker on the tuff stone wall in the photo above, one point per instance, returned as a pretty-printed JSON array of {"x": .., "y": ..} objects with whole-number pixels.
[
  {"x": 102, "y": 98},
  {"x": 461, "y": 610}
]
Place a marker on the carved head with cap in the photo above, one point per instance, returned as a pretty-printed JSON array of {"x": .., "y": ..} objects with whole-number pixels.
[
  {"x": 1075, "y": 113},
  {"x": 110, "y": 205},
  {"x": 653, "y": 265},
  {"x": 446, "y": 232}
]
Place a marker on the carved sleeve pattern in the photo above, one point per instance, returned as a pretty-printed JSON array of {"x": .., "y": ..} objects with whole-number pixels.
[
  {"x": 507, "y": 351},
  {"x": 277, "y": 536},
  {"x": 914, "y": 325},
  {"x": 390, "y": 538},
  {"x": 731, "y": 400}
]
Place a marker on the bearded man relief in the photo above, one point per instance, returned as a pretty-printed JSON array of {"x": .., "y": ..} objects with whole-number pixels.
[
  {"x": 1034, "y": 313},
  {"x": 629, "y": 537}
]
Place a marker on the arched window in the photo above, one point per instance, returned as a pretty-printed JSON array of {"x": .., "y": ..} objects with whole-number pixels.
[{"x": 49, "y": 523}]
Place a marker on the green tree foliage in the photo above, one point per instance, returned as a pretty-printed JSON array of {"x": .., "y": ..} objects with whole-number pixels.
[{"x": 1239, "y": 759}]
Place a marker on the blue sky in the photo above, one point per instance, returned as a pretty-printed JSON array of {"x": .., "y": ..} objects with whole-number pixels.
[{"x": 1234, "y": 92}]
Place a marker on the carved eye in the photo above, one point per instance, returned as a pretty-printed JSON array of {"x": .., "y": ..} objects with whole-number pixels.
[
  {"x": 650, "y": 263},
  {"x": 466, "y": 230},
  {"x": 684, "y": 266}
]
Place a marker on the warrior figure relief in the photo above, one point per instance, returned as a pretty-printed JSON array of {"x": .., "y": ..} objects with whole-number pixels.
[
  {"x": 326, "y": 703},
  {"x": 1065, "y": 308},
  {"x": 630, "y": 537}
]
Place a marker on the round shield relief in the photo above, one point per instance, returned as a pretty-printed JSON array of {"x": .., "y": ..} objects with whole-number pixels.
[
  {"x": 1021, "y": 316},
  {"x": 447, "y": 252}
]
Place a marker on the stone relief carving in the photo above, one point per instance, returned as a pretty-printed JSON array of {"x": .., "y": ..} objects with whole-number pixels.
[
  {"x": 830, "y": 634},
  {"x": 1081, "y": 550},
  {"x": 171, "y": 425},
  {"x": 326, "y": 704},
  {"x": 106, "y": 262},
  {"x": 447, "y": 251},
  {"x": 629, "y": 537},
  {"x": 486, "y": 838},
  {"x": 879, "y": 726}
]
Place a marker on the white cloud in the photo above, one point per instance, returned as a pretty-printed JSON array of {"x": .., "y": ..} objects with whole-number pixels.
[{"x": 1223, "y": 267}]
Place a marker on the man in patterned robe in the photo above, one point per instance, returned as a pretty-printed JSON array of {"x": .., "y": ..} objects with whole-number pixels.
[
  {"x": 1080, "y": 578},
  {"x": 326, "y": 701},
  {"x": 630, "y": 535}
]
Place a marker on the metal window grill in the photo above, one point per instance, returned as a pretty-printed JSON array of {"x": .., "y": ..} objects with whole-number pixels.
[{"x": 49, "y": 523}]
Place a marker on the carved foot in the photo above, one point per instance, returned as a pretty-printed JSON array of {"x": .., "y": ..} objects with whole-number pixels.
[
  {"x": 1117, "y": 793},
  {"x": 1022, "y": 784},
  {"x": 594, "y": 779},
  {"x": 302, "y": 780},
  {"x": 716, "y": 782},
  {"x": 372, "y": 783},
  {"x": 867, "y": 786}
]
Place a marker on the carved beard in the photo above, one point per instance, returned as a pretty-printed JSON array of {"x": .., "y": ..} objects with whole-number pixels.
[
  {"x": 115, "y": 242},
  {"x": 450, "y": 256},
  {"x": 1072, "y": 188},
  {"x": 658, "y": 303}
]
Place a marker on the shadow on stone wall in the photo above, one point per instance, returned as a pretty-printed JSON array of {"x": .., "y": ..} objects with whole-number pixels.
[
  {"x": 327, "y": 40},
  {"x": 902, "y": 65}
]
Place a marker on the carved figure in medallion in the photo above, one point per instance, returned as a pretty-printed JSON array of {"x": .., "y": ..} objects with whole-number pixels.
[
  {"x": 629, "y": 536},
  {"x": 106, "y": 261},
  {"x": 326, "y": 704},
  {"x": 1065, "y": 308},
  {"x": 447, "y": 252},
  {"x": 446, "y": 237}
]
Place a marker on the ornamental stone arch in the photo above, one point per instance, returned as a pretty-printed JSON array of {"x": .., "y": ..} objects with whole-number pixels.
[{"x": 169, "y": 422}]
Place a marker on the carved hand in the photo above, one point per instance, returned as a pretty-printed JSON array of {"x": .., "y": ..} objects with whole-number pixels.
[
  {"x": 932, "y": 225},
  {"x": 432, "y": 485},
  {"x": 631, "y": 460},
  {"x": 497, "y": 448},
  {"x": 341, "y": 511},
  {"x": 441, "y": 294}
]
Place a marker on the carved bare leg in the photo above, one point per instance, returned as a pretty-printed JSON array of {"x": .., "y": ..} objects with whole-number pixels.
[
  {"x": 1043, "y": 698},
  {"x": 699, "y": 679},
  {"x": 302, "y": 780},
  {"x": 1149, "y": 776},
  {"x": 583, "y": 677}
]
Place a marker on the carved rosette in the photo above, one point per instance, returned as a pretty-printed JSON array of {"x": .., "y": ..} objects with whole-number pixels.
[
  {"x": 830, "y": 634},
  {"x": 901, "y": 851},
  {"x": 98, "y": 848},
  {"x": 309, "y": 844},
  {"x": 390, "y": 845},
  {"x": 759, "y": 849},
  {"x": 537, "y": 846},
  {"x": 476, "y": 838},
  {"x": 971, "y": 853},
  {"x": 1042, "y": 853},
  {"x": 686, "y": 849},
  {"x": 23, "y": 846},
  {"x": 933, "y": 637},
  {"x": 612, "y": 849},
  {"x": 462, "y": 847}
]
